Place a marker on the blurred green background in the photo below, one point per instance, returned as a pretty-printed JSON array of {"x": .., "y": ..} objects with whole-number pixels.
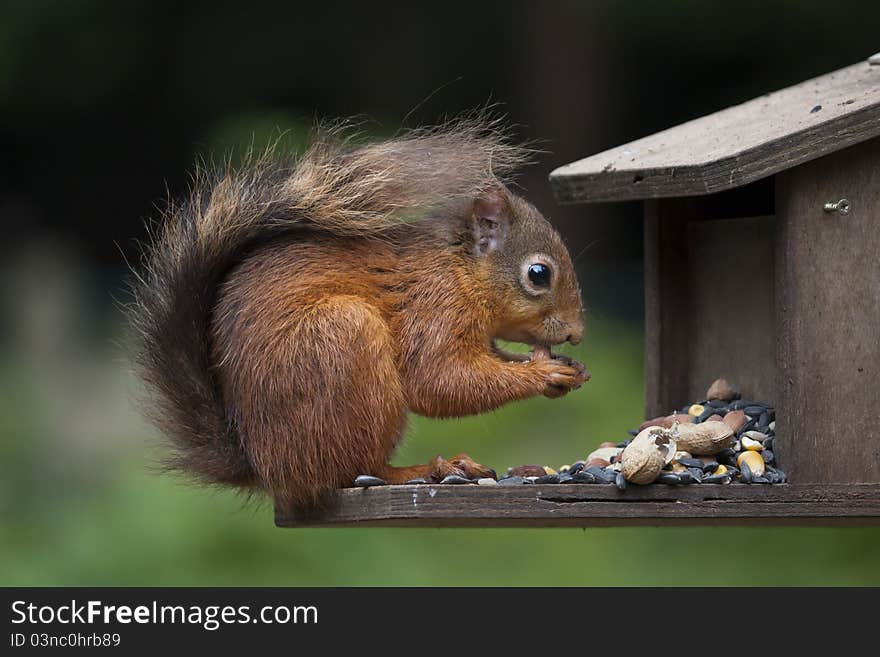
[{"x": 105, "y": 106}]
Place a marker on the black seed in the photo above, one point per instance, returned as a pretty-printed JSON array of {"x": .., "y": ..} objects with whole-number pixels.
[
  {"x": 565, "y": 478},
  {"x": 711, "y": 466},
  {"x": 748, "y": 426},
  {"x": 716, "y": 403},
  {"x": 417, "y": 480},
  {"x": 620, "y": 481},
  {"x": 602, "y": 475},
  {"x": 576, "y": 467},
  {"x": 668, "y": 478},
  {"x": 746, "y": 474},
  {"x": 584, "y": 477},
  {"x": 696, "y": 473},
  {"x": 726, "y": 456},
  {"x": 717, "y": 479},
  {"x": 764, "y": 420},
  {"x": 548, "y": 479},
  {"x": 690, "y": 463},
  {"x": 760, "y": 480},
  {"x": 706, "y": 414},
  {"x": 365, "y": 481},
  {"x": 768, "y": 456},
  {"x": 768, "y": 444},
  {"x": 689, "y": 478},
  {"x": 455, "y": 479}
]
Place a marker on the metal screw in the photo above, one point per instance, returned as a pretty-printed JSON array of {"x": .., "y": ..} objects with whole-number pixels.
[{"x": 840, "y": 207}]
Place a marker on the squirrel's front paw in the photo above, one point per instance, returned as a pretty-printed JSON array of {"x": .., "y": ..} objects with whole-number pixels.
[
  {"x": 561, "y": 375},
  {"x": 460, "y": 465}
]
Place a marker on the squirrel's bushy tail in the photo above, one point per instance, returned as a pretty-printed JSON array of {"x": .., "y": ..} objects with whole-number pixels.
[{"x": 332, "y": 188}]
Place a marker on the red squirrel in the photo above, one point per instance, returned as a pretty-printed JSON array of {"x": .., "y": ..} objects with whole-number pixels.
[{"x": 292, "y": 313}]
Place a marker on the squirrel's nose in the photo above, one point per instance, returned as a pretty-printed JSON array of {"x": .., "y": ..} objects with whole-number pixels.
[{"x": 576, "y": 332}]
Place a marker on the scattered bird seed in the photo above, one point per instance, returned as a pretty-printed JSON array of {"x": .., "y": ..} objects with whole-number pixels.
[
  {"x": 455, "y": 479},
  {"x": 689, "y": 478},
  {"x": 753, "y": 445},
  {"x": 754, "y": 425},
  {"x": 696, "y": 473},
  {"x": 366, "y": 481},
  {"x": 603, "y": 475}
]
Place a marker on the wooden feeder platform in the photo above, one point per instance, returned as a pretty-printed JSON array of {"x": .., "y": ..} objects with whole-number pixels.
[{"x": 598, "y": 505}]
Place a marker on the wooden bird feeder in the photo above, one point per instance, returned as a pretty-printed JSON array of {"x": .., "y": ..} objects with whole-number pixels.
[{"x": 762, "y": 265}]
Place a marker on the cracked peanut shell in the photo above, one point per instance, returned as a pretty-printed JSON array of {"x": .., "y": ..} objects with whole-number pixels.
[{"x": 644, "y": 458}]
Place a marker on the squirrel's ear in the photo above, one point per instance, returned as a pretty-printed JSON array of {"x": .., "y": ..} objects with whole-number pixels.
[{"x": 490, "y": 220}]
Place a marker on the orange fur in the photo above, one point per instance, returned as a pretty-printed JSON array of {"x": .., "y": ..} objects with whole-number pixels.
[
  {"x": 293, "y": 315},
  {"x": 323, "y": 347}
]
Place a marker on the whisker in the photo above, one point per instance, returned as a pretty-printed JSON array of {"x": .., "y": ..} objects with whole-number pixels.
[{"x": 584, "y": 250}]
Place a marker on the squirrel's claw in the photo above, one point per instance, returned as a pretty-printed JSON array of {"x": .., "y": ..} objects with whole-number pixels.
[{"x": 460, "y": 465}]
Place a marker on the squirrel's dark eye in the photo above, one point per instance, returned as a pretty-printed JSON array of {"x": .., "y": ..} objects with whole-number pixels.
[{"x": 539, "y": 275}]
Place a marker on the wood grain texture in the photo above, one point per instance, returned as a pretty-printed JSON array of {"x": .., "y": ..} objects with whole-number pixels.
[
  {"x": 709, "y": 303},
  {"x": 667, "y": 333},
  {"x": 735, "y": 146},
  {"x": 589, "y": 505},
  {"x": 828, "y": 297},
  {"x": 729, "y": 297}
]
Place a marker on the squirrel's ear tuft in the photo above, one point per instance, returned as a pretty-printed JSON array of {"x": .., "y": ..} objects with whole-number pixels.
[{"x": 490, "y": 220}]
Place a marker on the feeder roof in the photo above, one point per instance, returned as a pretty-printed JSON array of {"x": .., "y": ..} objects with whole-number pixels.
[{"x": 735, "y": 146}]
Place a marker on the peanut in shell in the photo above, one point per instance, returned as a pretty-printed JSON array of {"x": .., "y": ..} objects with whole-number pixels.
[
  {"x": 704, "y": 439},
  {"x": 644, "y": 458}
]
